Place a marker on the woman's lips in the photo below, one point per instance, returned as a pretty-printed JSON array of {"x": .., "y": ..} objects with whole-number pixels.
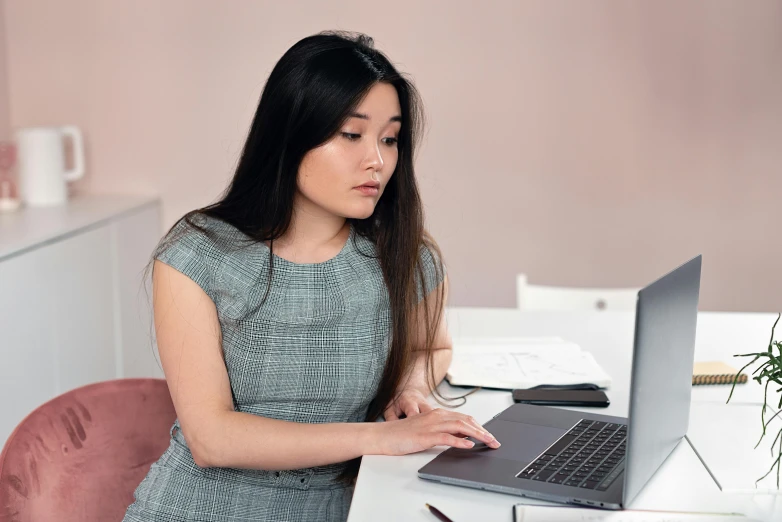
[{"x": 368, "y": 190}]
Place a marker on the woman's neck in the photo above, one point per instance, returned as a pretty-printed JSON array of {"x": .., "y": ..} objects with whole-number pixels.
[{"x": 312, "y": 237}]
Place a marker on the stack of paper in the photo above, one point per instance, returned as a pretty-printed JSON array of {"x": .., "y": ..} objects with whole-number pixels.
[{"x": 520, "y": 363}]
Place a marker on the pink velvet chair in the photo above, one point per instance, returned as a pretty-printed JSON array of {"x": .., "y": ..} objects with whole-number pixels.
[{"x": 80, "y": 456}]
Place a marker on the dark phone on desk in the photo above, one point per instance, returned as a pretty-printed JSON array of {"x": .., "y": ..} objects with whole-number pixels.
[{"x": 562, "y": 397}]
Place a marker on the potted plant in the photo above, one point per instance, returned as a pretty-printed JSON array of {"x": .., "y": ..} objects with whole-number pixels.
[{"x": 770, "y": 371}]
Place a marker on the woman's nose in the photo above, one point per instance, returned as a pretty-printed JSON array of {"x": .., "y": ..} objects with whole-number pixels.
[{"x": 374, "y": 157}]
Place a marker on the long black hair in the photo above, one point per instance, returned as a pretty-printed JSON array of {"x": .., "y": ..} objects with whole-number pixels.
[{"x": 307, "y": 98}]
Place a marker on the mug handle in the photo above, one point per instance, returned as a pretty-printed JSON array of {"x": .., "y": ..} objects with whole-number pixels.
[{"x": 77, "y": 171}]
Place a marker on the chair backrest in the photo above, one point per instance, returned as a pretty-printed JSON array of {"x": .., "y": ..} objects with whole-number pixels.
[
  {"x": 80, "y": 456},
  {"x": 538, "y": 297}
]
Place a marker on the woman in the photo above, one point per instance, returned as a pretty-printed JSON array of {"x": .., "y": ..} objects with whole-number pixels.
[{"x": 304, "y": 304}]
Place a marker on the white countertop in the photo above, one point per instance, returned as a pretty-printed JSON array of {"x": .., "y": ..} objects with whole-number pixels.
[{"x": 31, "y": 227}]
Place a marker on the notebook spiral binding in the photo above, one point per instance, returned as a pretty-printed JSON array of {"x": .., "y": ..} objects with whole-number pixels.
[{"x": 727, "y": 378}]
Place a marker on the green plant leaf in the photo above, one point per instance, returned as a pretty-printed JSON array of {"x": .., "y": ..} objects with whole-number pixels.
[{"x": 769, "y": 371}]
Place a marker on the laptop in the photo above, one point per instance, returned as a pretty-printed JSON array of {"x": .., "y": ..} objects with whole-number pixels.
[{"x": 591, "y": 459}]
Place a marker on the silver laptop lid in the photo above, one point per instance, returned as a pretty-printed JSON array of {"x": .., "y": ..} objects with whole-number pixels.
[{"x": 661, "y": 382}]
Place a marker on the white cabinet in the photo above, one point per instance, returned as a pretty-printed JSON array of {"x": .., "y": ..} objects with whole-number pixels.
[
  {"x": 28, "y": 368},
  {"x": 134, "y": 238},
  {"x": 76, "y": 280},
  {"x": 73, "y": 306}
]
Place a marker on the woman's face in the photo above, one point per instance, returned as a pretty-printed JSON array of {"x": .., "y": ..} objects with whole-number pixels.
[{"x": 346, "y": 176}]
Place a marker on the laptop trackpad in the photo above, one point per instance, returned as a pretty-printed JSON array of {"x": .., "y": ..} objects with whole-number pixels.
[{"x": 520, "y": 441}]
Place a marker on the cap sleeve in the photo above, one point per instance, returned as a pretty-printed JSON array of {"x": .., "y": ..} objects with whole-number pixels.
[
  {"x": 433, "y": 271},
  {"x": 191, "y": 252}
]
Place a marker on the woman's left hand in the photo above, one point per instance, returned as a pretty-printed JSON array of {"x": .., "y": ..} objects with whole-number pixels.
[{"x": 410, "y": 402}]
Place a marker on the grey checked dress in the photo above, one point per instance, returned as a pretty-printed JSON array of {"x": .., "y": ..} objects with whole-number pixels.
[{"x": 313, "y": 352}]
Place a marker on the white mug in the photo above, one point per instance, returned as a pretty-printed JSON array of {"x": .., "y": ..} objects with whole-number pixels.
[{"x": 41, "y": 156}]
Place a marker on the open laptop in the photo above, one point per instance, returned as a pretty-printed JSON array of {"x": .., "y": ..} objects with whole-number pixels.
[{"x": 591, "y": 459}]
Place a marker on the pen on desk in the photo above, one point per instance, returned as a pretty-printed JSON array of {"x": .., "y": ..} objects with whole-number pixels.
[{"x": 439, "y": 514}]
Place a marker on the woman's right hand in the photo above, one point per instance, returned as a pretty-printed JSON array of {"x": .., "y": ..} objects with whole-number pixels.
[{"x": 437, "y": 427}]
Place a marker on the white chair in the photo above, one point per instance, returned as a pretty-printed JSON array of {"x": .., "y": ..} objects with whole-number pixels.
[{"x": 538, "y": 297}]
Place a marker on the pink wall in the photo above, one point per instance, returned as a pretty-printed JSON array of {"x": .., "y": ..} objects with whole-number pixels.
[
  {"x": 5, "y": 118},
  {"x": 584, "y": 143}
]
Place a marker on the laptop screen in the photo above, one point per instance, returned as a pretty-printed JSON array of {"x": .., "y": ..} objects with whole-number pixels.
[{"x": 661, "y": 382}]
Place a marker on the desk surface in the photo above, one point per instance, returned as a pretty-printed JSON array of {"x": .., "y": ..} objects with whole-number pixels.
[{"x": 388, "y": 488}]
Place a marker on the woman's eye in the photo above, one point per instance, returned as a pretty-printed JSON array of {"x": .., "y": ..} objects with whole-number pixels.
[{"x": 355, "y": 137}]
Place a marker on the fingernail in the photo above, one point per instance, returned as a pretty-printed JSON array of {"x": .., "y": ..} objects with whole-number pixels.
[{"x": 470, "y": 443}]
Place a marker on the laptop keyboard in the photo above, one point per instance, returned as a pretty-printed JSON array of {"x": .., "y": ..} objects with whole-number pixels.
[{"x": 590, "y": 455}]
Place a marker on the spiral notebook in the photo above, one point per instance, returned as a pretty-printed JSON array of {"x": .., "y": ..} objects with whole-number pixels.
[{"x": 715, "y": 373}]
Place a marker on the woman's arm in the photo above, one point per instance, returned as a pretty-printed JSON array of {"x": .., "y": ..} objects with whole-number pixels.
[
  {"x": 415, "y": 388},
  {"x": 189, "y": 342},
  {"x": 418, "y": 381}
]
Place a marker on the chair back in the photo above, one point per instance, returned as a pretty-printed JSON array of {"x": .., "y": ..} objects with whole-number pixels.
[
  {"x": 540, "y": 297},
  {"x": 80, "y": 456}
]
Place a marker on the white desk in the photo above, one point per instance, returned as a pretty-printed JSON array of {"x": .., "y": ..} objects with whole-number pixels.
[{"x": 388, "y": 488}]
